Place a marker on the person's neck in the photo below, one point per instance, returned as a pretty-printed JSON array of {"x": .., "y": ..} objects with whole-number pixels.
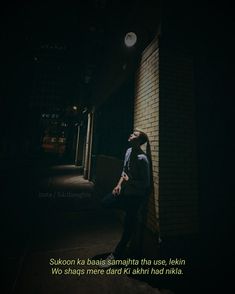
[{"x": 136, "y": 149}]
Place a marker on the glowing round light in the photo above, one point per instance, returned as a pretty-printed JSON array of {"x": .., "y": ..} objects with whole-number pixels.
[
  {"x": 75, "y": 108},
  {"x": 130, "y": 39}
]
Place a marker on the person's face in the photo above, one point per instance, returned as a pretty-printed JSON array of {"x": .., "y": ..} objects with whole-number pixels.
[{"x": 134, "y": 138}]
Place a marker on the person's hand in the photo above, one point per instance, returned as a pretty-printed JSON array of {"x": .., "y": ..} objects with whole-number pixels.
[{"x": 117, "y": 190}]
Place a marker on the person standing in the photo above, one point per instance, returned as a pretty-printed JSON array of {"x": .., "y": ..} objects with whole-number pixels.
[{"x": 131, "y": 190}]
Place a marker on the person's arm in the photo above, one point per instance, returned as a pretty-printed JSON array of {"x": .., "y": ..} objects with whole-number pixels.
[
  {"x": 117, "y": 189},
  {"x": 124, "y": 177}
]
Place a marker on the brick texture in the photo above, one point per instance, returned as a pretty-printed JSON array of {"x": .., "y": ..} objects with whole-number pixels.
[
  {"x": 146, "y": 118},
  {"x": 164, "y": 109},
  {"x": 178, "y": 158}
]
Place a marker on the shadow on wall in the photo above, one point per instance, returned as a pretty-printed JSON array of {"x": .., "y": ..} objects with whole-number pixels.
[{"x": 145, "y": 242}]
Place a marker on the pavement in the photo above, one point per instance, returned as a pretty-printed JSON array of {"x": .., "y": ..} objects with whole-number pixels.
[{"x": 54, "y": 213}]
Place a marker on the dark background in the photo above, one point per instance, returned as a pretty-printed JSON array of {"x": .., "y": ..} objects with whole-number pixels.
[{"x": 210, "y": 32}]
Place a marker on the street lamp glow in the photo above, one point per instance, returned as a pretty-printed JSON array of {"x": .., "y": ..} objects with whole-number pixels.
[
  {"x": 130, "y": 39},
  {"x": 75, "y": 107}
]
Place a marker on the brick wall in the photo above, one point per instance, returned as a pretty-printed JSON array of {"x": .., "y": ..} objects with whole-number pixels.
[
  {"x": 146, "y": 109},
  {"x": 178, "y": 158},
  {"x": 164, "y": 109}
]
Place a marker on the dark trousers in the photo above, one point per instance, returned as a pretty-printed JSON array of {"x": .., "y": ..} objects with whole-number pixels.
[{"x": 131, "y": 205}]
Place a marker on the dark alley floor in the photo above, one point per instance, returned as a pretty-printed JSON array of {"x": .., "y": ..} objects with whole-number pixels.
[{"x": 63, "y": 220}]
